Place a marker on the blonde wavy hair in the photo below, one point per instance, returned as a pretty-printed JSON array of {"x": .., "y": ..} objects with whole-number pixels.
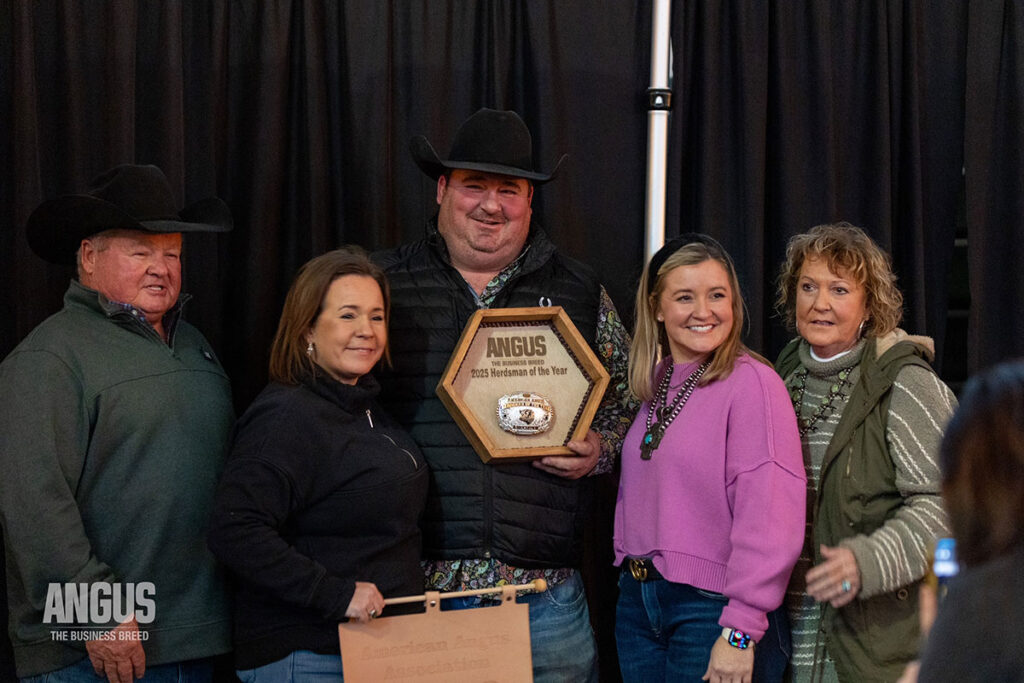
[
  {"x": 849, "y": 251},
  {"x": 650, "y": 341}
]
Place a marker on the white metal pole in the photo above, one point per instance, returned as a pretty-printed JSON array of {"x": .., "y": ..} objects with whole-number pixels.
[{"x": 659, "y": 104}]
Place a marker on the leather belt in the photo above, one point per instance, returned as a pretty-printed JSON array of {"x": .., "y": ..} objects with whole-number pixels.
[{"x": 642, "y": 569}]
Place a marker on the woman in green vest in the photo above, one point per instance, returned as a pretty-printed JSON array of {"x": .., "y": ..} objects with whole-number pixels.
[{"x": 871, "y": 413}]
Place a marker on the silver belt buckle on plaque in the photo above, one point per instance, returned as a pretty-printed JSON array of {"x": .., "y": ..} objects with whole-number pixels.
[{"x": 525, "y": 413}]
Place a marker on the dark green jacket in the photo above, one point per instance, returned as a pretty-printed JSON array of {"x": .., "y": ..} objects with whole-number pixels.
[
  {"x": 870, "y": 639},
  {"x": 111, "y": 442}
]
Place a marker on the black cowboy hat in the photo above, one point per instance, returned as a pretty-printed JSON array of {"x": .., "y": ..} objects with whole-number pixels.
[
  {"x": 491, "y": 141},
  {"x": 126, "y": 197}
]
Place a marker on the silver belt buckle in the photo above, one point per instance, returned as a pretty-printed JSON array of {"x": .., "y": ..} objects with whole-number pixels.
[{"x": 525, "y": 413}]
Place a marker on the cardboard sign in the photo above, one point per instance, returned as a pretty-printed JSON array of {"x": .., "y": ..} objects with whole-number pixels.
[{"x": 482, "y": 645}]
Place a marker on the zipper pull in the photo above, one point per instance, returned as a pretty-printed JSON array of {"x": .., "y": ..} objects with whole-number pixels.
[{"x": 369, "y": 418}]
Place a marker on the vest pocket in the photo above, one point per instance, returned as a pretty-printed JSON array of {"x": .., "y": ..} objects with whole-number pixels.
[{"x": 892, "y": 623}]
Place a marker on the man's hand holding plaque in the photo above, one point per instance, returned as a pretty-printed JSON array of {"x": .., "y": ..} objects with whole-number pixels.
[{"x": 580, "y": 464}]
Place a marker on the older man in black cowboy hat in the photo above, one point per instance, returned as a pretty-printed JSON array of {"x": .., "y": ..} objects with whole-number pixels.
[
  {"x": 487, "y": 525},
  {"x": 113, "y": 427}
]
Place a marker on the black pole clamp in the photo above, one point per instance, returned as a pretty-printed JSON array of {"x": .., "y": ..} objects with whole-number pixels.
[{"x": 659, "y": 99}]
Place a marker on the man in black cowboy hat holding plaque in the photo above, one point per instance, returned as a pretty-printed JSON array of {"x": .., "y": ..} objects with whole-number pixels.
[
  {"x": 489, "y": 525},
  {"x": 113, "y": 429}
]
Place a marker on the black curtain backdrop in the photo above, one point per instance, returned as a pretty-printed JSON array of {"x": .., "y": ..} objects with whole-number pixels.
[
  {"x": 898, "y": 116},
  {"x": 994, "y": 171},
  {"x": 794, "y": 114}
]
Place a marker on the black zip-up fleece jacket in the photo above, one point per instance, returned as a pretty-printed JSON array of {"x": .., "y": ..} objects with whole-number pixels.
[{"x": 322, "y": 489}]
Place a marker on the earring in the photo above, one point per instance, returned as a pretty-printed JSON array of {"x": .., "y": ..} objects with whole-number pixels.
[
  {"x": 310, "y": 349},
  {"x": 860, "y": 330}
]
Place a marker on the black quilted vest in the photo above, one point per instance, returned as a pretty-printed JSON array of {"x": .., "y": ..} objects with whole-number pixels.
[{"x": 512, "y": 511}]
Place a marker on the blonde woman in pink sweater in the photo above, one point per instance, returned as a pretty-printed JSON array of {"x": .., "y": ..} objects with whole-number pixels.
[{"x": 710, "y": 513}]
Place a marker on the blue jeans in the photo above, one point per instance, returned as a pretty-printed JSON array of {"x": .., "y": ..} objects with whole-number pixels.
[
  {"x": 772, "y": 653},
  {"x": 561, "y": 641},
  {"x": 301, "y": 666},
  {"x": 194, "y": 671},
  {"x": 665, "y": 631}
]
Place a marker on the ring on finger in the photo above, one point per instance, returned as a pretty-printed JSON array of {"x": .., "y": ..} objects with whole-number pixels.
[
  {"x": 373, "y": 614},
  {"x": 846, "y": 585}
]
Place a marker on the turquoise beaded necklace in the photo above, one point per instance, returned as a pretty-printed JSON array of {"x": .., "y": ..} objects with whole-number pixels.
[
  {"x": 668, "y": 411},
  {"x": 828, "y": 406}
]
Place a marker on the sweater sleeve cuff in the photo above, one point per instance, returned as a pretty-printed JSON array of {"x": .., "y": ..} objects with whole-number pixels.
[
  {"x": 870, "y": 576},
  {"x": 331, "y": 597},
  {"x": 750, "y": 620}
]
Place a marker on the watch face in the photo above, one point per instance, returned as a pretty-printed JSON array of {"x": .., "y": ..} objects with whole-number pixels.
[{"x": 739, "y": 639}]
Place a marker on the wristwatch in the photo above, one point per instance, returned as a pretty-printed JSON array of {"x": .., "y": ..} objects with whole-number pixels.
[{"x": 738, "y": 639}]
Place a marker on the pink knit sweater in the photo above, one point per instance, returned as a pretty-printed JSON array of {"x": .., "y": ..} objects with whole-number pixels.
[{"x": 721, "y": 503}]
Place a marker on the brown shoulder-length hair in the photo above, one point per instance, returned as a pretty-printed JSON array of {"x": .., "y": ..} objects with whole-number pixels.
[
  {"x": 982, "y": 458},
  {"x": 650, "y": 341},
  {"x": 847, "y": 248},
  {"x": 288, "y": 358}
]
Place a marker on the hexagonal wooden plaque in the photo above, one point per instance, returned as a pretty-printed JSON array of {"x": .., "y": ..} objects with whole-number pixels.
[{"x": 515, "y": 352}]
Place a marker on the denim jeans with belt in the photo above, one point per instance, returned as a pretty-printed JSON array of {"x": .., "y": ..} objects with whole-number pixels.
[
  {"x": 665, "y": 631},
  {"x": 561, "y": 640}
]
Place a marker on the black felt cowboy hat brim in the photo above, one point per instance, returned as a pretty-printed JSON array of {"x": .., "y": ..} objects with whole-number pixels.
[
  {"x": 429, "y": 162},
  {"x": 57, "y": 227}
]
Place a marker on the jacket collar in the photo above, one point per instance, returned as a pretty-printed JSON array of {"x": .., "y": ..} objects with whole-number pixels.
[
  {"x": 351, "y": 398},
  {"x": 926, "y": 344},
  {"x": 80, "y": 295}
]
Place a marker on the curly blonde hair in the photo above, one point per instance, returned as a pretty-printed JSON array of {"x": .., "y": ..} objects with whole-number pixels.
[{"x": 846, "y": 248}]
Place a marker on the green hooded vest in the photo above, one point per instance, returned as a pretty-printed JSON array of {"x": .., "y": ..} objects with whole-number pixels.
[{"x": 874, "y": 638}]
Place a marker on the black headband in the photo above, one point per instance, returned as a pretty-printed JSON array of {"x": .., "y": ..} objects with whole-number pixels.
[{"x": 674, "y": 245}]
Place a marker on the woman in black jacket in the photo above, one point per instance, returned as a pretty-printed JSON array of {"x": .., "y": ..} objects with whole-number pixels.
[{"x": 317, "y": 514}]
